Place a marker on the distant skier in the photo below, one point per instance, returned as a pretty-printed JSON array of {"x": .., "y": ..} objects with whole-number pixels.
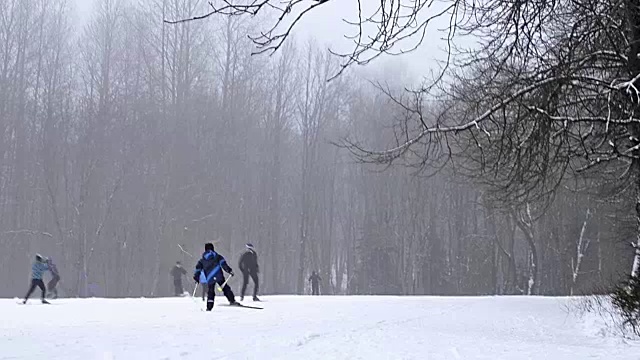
[
  {"x": 315, "y": 283},
  {"x": 209, "y": 271},
  {"x": 93, "y": 289},
  {"x": 248, "y": 265},
  {"x": 37, "y": 269},
  {"x": 51, "y": 285},
  {"x": 177, "y": 272}
]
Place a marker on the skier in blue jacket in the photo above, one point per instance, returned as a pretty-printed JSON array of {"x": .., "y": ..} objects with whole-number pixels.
[
  {"x": 209, "y": 271},
  {"x": 37, "y": 270}
]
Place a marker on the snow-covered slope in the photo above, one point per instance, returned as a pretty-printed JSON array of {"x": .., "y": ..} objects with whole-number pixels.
[{"x": 292, "y": 327}]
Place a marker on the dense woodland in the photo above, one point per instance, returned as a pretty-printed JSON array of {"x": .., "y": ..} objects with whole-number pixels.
[{"x": 127, "y": 143}]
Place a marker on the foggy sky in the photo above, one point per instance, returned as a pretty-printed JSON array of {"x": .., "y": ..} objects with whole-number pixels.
[{"x": 325, "y": 24}]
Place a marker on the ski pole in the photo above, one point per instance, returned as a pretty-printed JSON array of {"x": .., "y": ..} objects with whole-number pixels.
[
  {"x": 193, "y": 296},
  {"x": 225, "y": 283}
]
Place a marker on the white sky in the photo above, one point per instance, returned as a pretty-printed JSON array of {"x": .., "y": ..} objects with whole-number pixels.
[{"x": 326, "y": 25}]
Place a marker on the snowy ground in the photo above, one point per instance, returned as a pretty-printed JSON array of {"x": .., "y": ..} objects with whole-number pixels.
[{"x": 307, "y": 328}]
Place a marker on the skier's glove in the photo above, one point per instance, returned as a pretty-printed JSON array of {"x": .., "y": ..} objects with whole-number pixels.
[
  {"x": 231, "y": 273},
  {"x": 196, "y": 278}
]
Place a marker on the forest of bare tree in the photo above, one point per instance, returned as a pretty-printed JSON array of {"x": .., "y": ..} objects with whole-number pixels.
[{"x": 128, "y": 142}]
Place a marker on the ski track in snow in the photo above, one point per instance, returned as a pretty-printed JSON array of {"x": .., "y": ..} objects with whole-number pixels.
[{"x": 299, "y": 327}]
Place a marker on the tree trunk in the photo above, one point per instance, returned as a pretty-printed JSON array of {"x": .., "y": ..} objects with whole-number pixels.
[
  {"x": 525, "y": 223},
  {"x": 581, "y": 248}
]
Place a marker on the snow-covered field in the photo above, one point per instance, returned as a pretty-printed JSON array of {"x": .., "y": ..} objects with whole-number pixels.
[{"x": 292, "y": 327}]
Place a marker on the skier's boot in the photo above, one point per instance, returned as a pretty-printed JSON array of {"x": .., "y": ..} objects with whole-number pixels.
[
  {"x": 25, "y": 301},
  {"x": 44, "y": 301},
  {"x": 242, "y": 298},
  {"x": 255, "y": 298},
  {"x": 234, "y": 303}
]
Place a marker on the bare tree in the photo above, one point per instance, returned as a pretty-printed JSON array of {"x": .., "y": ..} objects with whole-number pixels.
[{"x": 552, "y": 95}]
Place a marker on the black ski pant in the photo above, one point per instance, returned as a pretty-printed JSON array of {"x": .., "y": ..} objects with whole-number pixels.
[
  {"x": 315, "y": 290},
  {"x": 211, "y": 293},
  {"x": 245, "y": 282},
  {"x": 177, "y": 284},
  {"x": 52, "y": 286},
  {"x": 39, "y": 283}
]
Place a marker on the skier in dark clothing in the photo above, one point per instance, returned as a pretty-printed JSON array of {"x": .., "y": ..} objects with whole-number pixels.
[
  {"x": 315, "y": 283},
  {"x": 37, "y": 270},
  {"x": 249, "y": 267},
  {"x": 177, "y": 272},
  {"x": 209, "y": 271},
  {"x": 51, "y": 285}
]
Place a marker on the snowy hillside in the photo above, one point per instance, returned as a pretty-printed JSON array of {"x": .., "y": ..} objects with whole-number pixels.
[{"x": 306, "y": 328}]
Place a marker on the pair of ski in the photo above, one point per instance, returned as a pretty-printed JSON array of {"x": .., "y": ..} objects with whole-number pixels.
[
  {"x": 245, "y": 306},
  {"x": 237, "y": 304},
  {"x": 21, "y": 302}
]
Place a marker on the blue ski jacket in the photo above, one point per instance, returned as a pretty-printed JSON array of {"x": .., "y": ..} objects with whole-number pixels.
[
  {"x": 208, "y": 269},
  {"x": 37, "y": 269}
]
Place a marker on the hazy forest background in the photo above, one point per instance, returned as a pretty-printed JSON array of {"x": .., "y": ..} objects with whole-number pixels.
[{"x": 125, "y": 138}]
